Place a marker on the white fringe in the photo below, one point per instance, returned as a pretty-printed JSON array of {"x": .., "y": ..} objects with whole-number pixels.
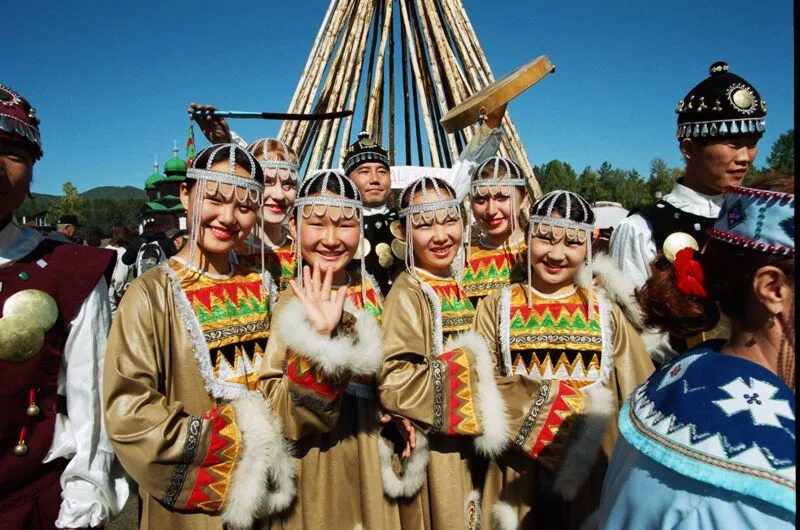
[
  {"x": 436, "y": 310},
  {"x": 415, "y": 468},
  {"x": 489, "y": 405},
  {"x": 262, "y": 481},
  {"x": 361, "y": 354}
]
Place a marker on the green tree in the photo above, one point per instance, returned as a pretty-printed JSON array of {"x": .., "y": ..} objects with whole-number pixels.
[
  {"x": 556, "y": 175},
  {"x": 589, "y": 184},
  {"x": 781, "y": 157},
  {"x": 70, "y": 203}
]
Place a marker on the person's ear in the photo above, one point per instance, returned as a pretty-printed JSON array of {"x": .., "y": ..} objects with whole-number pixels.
[
  {"x": 184, "y": 193},
  {"x": 771, "y": 288},
  {"x": 293, "y": 227},
  {"x": 688, "y": 149}
]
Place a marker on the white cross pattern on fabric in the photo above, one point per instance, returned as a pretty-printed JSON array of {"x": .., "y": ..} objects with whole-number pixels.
[{"x": 756, "y": 399}]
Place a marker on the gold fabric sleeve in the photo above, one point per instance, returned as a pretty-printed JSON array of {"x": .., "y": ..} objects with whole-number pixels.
[{"x": 190, "y": 462}]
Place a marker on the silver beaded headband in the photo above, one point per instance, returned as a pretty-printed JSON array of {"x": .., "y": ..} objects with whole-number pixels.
[
  {"x": 510, "y": 169},
  {"x": 542, "y": 214},
  {"x": 251, "y": 189},
  {"x": 269, "y": 163},
  {"x": 421, "y": 186},
  {"x": 327, "y": 202}
]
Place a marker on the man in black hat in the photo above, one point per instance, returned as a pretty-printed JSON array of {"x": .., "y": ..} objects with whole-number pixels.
[{"x": 720, "y": 122}]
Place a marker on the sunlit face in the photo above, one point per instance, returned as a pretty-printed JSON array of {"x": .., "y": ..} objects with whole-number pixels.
[
  {"x": 329, "y": 236},
  {"x": 556, "y": 255},
  {"x": 493, "y": 208},
  {"x": 280, "y": 192},
  {"x": 16, "y": 171},
  {"x": 723, "y": 162},
  {"x": 224, "y": 221},
  {"x": 435, "y": 236},
  {"x": 373, "y": 182}
]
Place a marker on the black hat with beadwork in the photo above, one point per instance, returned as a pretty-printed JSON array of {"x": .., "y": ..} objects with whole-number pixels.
[
  {"x": 722, "y": 105},
  {"x": 362, "y": 151}
]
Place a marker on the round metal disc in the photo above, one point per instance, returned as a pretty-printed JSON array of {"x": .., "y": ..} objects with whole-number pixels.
[
  {"x": 20, "y": 338},
  {"x": 399, "y": 248},
  {"x": 363, "y": 249},
  {"x": 394, "y": 228},
  {"x": 496, "y": 93},
  {"x": 35, "y": 305}
]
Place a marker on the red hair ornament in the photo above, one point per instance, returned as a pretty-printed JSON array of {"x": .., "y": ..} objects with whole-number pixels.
[{"x": 679, "y": 248}]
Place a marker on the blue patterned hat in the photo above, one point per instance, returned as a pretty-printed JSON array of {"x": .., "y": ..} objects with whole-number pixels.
[{"x": 756, "y": 219}]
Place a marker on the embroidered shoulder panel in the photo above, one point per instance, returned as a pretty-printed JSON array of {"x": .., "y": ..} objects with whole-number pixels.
[
  {"x": 456, "y": 308},
  {"x": 721, "y": 420},
  {"x": 490, "y": 269}
]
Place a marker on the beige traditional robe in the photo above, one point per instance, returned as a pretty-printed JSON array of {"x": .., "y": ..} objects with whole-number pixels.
[
  {"x": 200, "y": 461},
  {"x": 602, "y": 356},
  {"x": 440, "y": 375},
  {"x": 324, "y": 390}
]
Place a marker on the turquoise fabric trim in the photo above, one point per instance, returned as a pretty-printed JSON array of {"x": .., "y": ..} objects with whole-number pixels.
[{"x": 761, "y": 489}]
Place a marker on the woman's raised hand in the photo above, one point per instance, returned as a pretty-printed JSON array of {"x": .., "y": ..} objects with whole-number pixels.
[{"x": 323, "y": 312}]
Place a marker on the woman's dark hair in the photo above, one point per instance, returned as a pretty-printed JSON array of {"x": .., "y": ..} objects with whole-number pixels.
[
  {"x": 121, "y": 236},
  {"x": 728, "y": 270},
  {"x": 213, "y": 154},
  {"x": 317, "y": 184},
  {"x": 568, "y": 204}
]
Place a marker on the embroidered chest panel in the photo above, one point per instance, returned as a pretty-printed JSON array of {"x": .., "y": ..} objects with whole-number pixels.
[
  {"x": 457, "y": 309},
  {"x": 372, "y": 304},
  {"x": 555, "y": 339},
  {"x": 233, "y": 315},
  {"x": 490, "y": 269},
  {"x": 281, "y": 262}
]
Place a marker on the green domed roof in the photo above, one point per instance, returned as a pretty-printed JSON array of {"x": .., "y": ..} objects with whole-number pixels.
[
  {"x": 175, "y": 166},
  {"x": 153, "y": 179}
]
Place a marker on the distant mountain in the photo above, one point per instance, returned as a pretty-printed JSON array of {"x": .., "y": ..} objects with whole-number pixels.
[
  {"x": 101, "y": 192},
  {"x": 114, "y": 192}
]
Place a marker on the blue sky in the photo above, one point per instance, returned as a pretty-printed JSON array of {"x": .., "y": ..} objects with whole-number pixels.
[{"x": 111, "y": 80}]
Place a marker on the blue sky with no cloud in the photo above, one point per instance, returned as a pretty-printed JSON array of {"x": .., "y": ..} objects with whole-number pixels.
[{"x": 111, "y": 80}]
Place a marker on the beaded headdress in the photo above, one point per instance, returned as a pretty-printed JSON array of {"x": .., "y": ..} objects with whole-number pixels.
[
  {"x": 207, "y": 181},
  {"x": 445, "y": 205},
  {"x": 497, "y": 175},
  {"x": 362, "y": 151},
  {"x": 722, "y": 105},
  {"x": 271, "y": 164},
  {"x": 18, "y": 118},
  {"x": 756, "y": 219},
  {"x": 344, "y": 203},
  {"x": 542, "y": 222}
]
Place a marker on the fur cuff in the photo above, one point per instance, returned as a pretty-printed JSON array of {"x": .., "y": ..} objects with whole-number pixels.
[
  {"x": 358, "y": 354},
  {"x": 504, "y": 517},
  {"x": 415, "y": 468},
  {"x": 490, "y": 406},
  {"x": 617, "y": 286},
  {"x": 262, "y": 481},
  {"x": 472, "y": 510},
  {"x": 581, "y": 453}
]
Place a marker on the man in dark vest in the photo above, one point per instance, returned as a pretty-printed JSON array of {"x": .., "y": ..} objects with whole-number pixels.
[
  {"x": 55, "y": 459},
  {"x": 720, "y": 122}
]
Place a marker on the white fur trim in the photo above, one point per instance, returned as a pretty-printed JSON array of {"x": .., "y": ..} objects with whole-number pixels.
[
  {"x": 361, "y": 354},
  {"x": 504, "y": 308},
  {"x": 606, "y": 342},
  {"x": 585, "y": 443},
  {"x": 415, "y": 468},
  {"x": 474, "y": 496},
  {"x": 619, "y": 288},
  {"x": 265, "y": 460},
  {"x": 504, "y": 517},
  {"x": 489, "y": 405},
  {"x": 436, "y": 311}
]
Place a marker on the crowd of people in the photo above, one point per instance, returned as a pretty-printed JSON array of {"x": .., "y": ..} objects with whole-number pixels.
[{"x": 315, "y": 353}]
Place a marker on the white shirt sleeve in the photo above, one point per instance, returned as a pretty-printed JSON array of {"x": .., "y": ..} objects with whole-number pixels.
[
  {"x": 483, "y": 145},
  {"x": 94, "y": 488},
  {"x": 633, "y": 248}
]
